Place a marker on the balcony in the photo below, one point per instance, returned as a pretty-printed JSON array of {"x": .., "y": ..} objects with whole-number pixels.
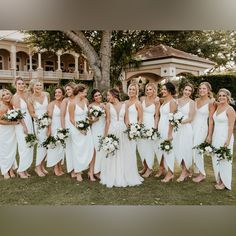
[{"x": 7, "y": 76}]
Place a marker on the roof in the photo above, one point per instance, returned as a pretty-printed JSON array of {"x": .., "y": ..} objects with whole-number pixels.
[
  {"x": 162, "y": 51},
  {"x": 13, "y": 35}
]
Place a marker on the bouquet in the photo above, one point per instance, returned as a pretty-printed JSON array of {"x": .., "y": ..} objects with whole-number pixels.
[
  {"x": 166, "y": 146},
  {"x": 14, "y": 115},
  {"x": 82, "y": 125},
  {"x": 205, "y": 148},
  {"x": 151, "y": 134},
  {"x": 108, "y": 144},
  {"x": 50, "y": 143},
  {"x": 30, "y": 140},
  {"x": 223, "y": 153},
  {"x": 61, "y": 135},
  {"x": 96, "y": 112},
  {"x": 175, "y": 119},
  {"x": 134, "y": 131},
  {"x": 44, "y": 121}
]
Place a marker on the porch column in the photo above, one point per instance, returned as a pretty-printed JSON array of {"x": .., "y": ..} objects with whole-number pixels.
[
  {"x": 13, "y": 60},
  {"x": 85, "y": 67},
  {"x": 59, "y": 53},
  {"x": 30, "y": 60},
  {"x": 76, "y": 56},
  {"x": 39, "y": 61}
]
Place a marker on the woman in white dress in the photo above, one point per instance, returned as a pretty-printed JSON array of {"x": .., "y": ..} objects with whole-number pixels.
[
  {"x": 202, "y": 127},
  {"x": 224, "y": 119},
  {"x": 113, "y": 167},
  {"x": 133, "y": 114},
  {"x": 146, "y": 148},
  {"x": 183, "y": 142},
  {"x": 20, "y": 101},
  {"x": 65, "y": 123},
  {"x": 97, "y": 128},
  {"x": 38, "y": 104},
  {"x": 81, "y": 141},
  {"x": 8, "y": 143},
  {"x": 55, "y": 156},
  {"x": 165, "y": 129}
]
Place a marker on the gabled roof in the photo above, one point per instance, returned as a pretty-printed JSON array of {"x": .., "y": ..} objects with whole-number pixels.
[{"x": 162, "y": 51}]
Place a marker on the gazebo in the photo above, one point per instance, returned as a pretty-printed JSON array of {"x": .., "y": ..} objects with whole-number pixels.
[{"x": 162, "y": 63}]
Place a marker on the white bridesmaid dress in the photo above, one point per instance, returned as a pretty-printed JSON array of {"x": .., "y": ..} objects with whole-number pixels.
[
  {"x": 98, "y": 130},
  {"x": 56, "y": 154},
  {"x": 223, "y": 168},
  {"x": 68, "y": 150},
  {"x": 163, "y": 127},
  {"x": 200, "y": 131},
  {"x": 146, "y": 147},
  {"x": 41, "y": 134},
  {"x": 113, "y": 166},
  {"x": 25, "y": 153},
  {"x": 82, "y": 145},
  {"x": 183, "y": 142},
  {"x": 8, "y": 146}
]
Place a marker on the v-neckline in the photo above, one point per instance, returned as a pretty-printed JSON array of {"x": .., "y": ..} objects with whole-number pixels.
[
  {"x": 184, "y": 104},
  {"x": 117, "y": 113},
  {"x": 42, "y": 102},
  {"x": 83, "y": 109},
  {"x": 145, "y": 104},
  {"x": 222, "y": 111},
  {"x": 202, "y": 106}
]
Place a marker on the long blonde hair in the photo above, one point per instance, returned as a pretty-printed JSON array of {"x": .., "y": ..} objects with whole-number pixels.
[
  {"x": 208, "y": 85},
  {"x": 153, "y": 86},
  {"x": 133, "y": 84},
  {"x": 2, "y": 91}
]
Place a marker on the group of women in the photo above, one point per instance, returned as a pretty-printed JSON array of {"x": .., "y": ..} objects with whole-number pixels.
[{"x": 205, "y": 119}]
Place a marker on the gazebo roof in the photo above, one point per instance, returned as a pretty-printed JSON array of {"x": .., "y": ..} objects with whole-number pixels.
[{"x": 162, "y": 51}]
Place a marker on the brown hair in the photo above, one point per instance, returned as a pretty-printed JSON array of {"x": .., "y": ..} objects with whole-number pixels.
[
  {"x": 187, "y": 85},
  {"x": 228, "y": 95},
  {"x": 70, "y": 84},
  {"x": 18, "y": 78},
  {"x": 61, "y": 88},
  {"x": 79, "y": 88},
  {"x": 208, "y": 85},
  {"x": 115, "y": 93}
]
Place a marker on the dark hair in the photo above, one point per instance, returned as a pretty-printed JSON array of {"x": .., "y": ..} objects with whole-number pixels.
[
  {"x": 18, "y": 78},
  {"x": 94, "y": 91},
  {"x": 115, "y": 93},
  {"x": 187, "y": 85},
  {"x": 170, "y": 88},
  {"x": 61, "y": 88},
  {"x": 79, "y": 88}
]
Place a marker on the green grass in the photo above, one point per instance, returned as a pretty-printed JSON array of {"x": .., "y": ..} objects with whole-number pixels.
[{"x": 52, "y": 190}]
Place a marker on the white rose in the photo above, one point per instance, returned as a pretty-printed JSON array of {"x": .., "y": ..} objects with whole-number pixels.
[
  {"x": 60, "y": 136},
  {"x": 95, "y": 113},
  {"x": 208, "y": 149},
  {"x": 149, "y": 133},
  {"x": 81, "y": 125},
  {"x": 167, "y": 147},
  {"x": 178, "y": 116}
]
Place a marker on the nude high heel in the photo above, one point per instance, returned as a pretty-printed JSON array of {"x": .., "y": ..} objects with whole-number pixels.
[{"x": 168, "y": 179}]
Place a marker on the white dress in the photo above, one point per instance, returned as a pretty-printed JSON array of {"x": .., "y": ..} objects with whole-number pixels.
[
  {"x": 200, "y": 131},
  {"x": 56, "y": 154},
  {"x": 183, "y": 142},
  {"x": 82, "y": 145},
  {"x": 223, "y": 168},
  {"x": 25, "y": 153},
  {"x": 8, "y": 146},
  {"x": 68, "y": 150},
  {"x": 113, "y": 167},
  {"x": 163, "y": 127},
  {"x": 41, "y": 134},
  {"x": 146, "y": 147},
  {"x": 98, "y": 130}
]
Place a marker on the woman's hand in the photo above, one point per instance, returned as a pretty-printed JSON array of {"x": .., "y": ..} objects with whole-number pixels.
[
  {"x": 170, "y": 137},
  {"x": 25, "y": 129},
  {"x": 208, "y": 139},
  {"x": 84, "y": 132},
  {"x": 227, "y": 143}
]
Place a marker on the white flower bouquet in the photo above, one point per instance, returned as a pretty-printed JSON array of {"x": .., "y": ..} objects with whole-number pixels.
[
  {"x": 14, "y": 115},
  {"x": 44, "y": 121},
  {"x": 96, "y": 112},
  {"x": 223, "y": 153},
  {"x": 82, "y": 125},
  {"x": 134, "y": 131},
  {"x": 109, "y": 144},
  {"x": 50, "y": 142},
  {"x": 166, "y": 146},
  {"x": 175, "y": 119},
  {"x": 62, "y": 135},
  {"x": 31, "y": 140},
  {"x": 151, "y": 134},
  {"x": 205, "y": 148}
]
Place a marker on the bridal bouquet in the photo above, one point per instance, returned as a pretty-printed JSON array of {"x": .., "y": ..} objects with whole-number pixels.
[
  {"x": 30, "y": 140},
  {"x": 44, "y": 121},
  {"x": 175, "y": 119},
  {"x": 205, "y": 148},
  {"x": 151, "y": 133},
  {"x": 50, "y": 143},
  {"x": 14, "y": 115},
  {"x": 166, "y": 146},
  {"x": 82, "y": 125},
  {"x": 96, "y": 112},
  {"x": 223, "y": 153},
  {"x": 61, "y": 135},
  {"x": 109, "y": 144},
  {"x": 134, "y": 131}
]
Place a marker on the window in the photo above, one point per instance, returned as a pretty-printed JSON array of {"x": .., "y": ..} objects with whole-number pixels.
[
  {"x": 49, "y": 66},
  {"x": 34, "y": 64},
  {"x": 1, "y": 63}
]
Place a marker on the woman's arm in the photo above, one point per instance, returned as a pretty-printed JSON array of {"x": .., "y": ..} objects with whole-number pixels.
[
  {"x": 140, "y": 112},
  {"x": 63, "y": 112},
  {"x": 173, "y": 108},
  {"x": 212, "y": 109},
  {"x": 72, "y": 113},
  {"x": 50, "y": 112},
  {"x": 31, "y": 108},
  {"x": 157, "y": 113},
  {"x": 190, "y": 114},
  {"x": 107, "y": 125},
  {"x": 126, "y": 113},
  {"x": 231, "y": 118}
]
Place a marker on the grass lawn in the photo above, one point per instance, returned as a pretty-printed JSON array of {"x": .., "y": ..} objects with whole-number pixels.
[{"x": 52, "y": 190}]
